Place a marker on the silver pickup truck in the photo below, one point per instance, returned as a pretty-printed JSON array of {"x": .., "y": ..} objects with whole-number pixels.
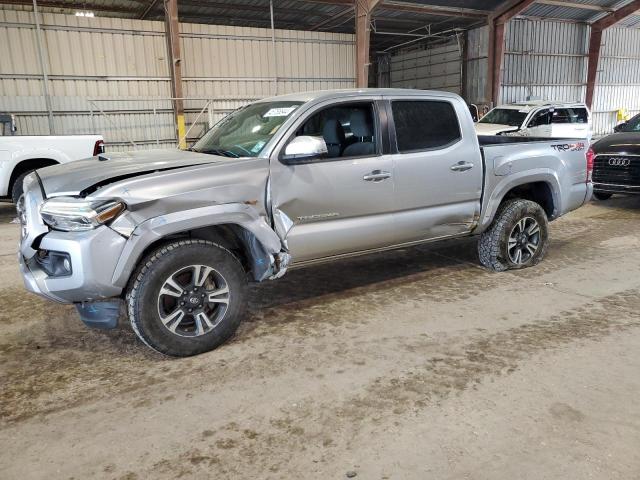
[{"x": 285, "y": 182}]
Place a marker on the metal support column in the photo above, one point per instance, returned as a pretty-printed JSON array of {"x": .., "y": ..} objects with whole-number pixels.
[
  {"x": 175, "y": 67},
  {"x": 275, "y": 51},
  {"x": 497, "y": 26},
  {"x": 595, "y": 42},
  {"x": 43, "y": 67},
  {"x": 363, "y": 9}
]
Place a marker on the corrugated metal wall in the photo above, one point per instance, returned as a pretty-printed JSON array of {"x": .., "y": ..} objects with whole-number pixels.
[
  {"x": 123, "y": 64},
  {"x": 618, "y": 78},
  {"x": 544, "y": 59},
  {"x": 434, "y": 68},
  {"x": 477, "y": 61}
]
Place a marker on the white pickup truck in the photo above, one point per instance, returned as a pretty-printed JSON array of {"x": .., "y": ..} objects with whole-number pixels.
[
  {"x": 538, "y": 118},
  {"x": 20, "y": 155}
]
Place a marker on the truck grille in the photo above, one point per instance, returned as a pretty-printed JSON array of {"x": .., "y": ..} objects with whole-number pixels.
[{"x": 617, "y": 169}]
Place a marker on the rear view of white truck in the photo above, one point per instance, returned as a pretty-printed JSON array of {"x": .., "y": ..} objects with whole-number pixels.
[{"x": 20, "y": 155}]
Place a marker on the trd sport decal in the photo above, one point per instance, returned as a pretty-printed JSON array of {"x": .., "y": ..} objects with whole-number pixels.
[{"x": 574, "y": 147}]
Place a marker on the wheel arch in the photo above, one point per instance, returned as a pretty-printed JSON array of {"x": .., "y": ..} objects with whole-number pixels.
[
  {"x": 27, "y": 165},
  {"x": 542, "y": 188},
  {"x": 235, "y": 227}
]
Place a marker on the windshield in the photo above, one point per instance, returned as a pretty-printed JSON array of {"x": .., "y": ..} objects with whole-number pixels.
[
  {"x": 632, "y": 125},
  {"x": 245, "y": 132},
  {"x": 505, "y": 116}
]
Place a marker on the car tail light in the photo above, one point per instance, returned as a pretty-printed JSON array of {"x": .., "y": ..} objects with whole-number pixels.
[
  {"x": 98, "y": 148},
  {"x": 590, "y": 156}
]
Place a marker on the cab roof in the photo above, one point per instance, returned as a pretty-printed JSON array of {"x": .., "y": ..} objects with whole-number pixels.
[
  {"x": 319, "y": 95},
  {"x": 529, "y": 105}
]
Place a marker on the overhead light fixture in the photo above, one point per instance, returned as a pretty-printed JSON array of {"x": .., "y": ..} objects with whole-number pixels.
[{"x": 84, "y": 14}]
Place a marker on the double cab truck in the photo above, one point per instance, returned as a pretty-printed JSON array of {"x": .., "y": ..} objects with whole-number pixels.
[
  {"x": 282, "y": 183},
  {"x": 22, "y": 154}
]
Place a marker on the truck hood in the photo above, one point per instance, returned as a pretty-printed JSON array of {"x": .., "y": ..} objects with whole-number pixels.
[
  {"x": 493, "y": 128},
  {"x": 619, "y": 143},
  {"x": 85, "y": 176}
]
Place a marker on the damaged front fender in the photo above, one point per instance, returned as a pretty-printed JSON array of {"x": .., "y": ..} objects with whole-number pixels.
[{"x": 265, "y": 251}]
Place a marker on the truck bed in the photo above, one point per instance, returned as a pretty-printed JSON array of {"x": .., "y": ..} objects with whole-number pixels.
[{"x": 558, "y": 162}]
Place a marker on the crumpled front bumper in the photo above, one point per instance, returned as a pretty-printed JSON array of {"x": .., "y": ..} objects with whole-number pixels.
[{"x": 93, "y": 255}]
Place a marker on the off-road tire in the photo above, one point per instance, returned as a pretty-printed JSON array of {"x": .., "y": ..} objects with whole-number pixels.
[
  {"x": 144, "y": 289},
  {"x": 16, "y": 188},
  {"x": 492, "y": 245},
  {"x": 602, "y": 195}
]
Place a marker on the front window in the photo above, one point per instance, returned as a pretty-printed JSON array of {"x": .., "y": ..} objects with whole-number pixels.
[
  {"x": 245, "y": 132},
  {"x": 505, "y": 116}
]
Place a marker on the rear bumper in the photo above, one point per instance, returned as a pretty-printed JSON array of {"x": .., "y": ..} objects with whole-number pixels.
[{"x": 615, "y": 188}]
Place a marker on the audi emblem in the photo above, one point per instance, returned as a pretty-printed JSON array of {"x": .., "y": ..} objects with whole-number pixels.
[{"x": 619, "y": 162}]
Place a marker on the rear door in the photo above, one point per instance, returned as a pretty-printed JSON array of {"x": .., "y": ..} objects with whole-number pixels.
[
  {"x": 342, "y": 202},
  {"x": 438, "y": 168}
]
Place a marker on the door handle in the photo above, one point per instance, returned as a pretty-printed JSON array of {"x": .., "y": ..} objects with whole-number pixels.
[
  {"x": 376, "y": 176},
  {"x": 461, "y": 166}
]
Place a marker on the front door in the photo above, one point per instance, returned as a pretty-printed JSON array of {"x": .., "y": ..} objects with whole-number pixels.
[
  {"x": 438, "y": 169},
  {"x": 341, "y": 202},
  {"x": 539, "y": 125}
]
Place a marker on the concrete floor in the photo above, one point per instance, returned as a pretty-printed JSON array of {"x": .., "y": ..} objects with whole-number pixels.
[{"x": 414, "y": 364}]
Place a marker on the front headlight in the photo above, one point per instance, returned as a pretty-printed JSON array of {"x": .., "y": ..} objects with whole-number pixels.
[{"x": 72, "y": 214}]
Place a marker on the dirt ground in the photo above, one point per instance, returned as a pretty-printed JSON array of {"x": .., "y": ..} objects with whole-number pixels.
[{"x": 414, "y": 364}]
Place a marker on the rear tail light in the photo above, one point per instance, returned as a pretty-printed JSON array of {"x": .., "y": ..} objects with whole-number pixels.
[
  {"x": 98, "y": 148},
  {"x": 590, "y": 156}
]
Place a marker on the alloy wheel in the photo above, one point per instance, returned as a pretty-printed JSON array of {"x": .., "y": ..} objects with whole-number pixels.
[
  {"x": 193, "y": 300},
  {"x": 524, "y": 240}
]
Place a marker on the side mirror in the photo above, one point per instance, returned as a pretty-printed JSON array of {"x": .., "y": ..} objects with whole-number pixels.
[{"x": 305, "y": 147}]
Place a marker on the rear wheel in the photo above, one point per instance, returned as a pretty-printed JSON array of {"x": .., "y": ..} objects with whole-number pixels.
[
  {"x": 602, "y": 195},
  {"x": 187, "y": 297},
  {"x": 517, "y": 238}
]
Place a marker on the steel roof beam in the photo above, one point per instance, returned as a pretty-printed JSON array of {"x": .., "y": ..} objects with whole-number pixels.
[
  {"x": 416, "y": 8},
  {"x": 581, "y": 6}
]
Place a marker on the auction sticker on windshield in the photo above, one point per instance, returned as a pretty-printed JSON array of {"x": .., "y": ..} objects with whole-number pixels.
[{"x": 279, "y": 112}]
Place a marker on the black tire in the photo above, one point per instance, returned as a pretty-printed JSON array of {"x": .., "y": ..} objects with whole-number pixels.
[
  {"x": 493, "y": 246},
  {"x": 602, "y": 196},
  {"x": 145, "y": 299},
  {"x": 16, "y": 188}
]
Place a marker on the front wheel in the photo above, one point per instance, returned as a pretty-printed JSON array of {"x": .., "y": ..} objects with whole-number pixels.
[
  {"x": 517, "y": 238},
  {"x": 187, "y": 297},
  {"x": 602, "y": 195}
]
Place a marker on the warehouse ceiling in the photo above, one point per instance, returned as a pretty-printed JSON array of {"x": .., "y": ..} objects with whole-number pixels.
[{"x": 395, "y": 23}]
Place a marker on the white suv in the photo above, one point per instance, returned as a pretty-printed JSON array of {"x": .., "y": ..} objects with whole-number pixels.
[{"x": 538, "y": 119}]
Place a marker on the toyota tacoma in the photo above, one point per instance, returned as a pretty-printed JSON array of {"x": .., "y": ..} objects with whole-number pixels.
[{"x": 282, "y": 183}]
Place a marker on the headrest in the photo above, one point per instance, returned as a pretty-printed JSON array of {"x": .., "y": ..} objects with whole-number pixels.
[
  {"x": 332, "y": 132},
  {"x": 360, "y": 124}
]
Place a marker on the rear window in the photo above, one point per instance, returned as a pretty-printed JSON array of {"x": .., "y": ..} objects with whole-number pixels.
[
  {"x": 424, "y": 124},
  {"x": 570, "y": 115}
]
